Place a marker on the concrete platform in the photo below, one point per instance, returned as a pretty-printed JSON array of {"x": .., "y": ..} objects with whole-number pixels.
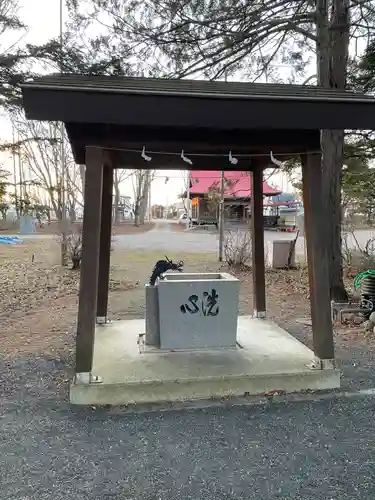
[{"x": 266, "y": 359}]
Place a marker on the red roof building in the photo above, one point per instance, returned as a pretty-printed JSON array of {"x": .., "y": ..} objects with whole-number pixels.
[
  {"x": 237, "y": 193},
  {"x": 237, "y": 184}
]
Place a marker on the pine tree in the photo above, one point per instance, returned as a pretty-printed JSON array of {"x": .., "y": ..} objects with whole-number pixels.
[
  {"x": 363, "y": 74},
  {"x": 11, "y": 57}
]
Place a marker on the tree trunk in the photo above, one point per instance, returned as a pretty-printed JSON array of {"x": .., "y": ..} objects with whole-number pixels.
[
  {"x": 138, "y": 192},
  {"x": 76, "y": 263},
  {"x": 143, "y": 201},
  {"x": 117, "y": 204},
  {"x": 332, "y": 143},
  {"x": 136, "y": 214},
  {"x": 72, "y": 214},
  {"x": 332, "y": 54},
  {"x": 323, "y": 43},
  {"x": 82, "y": 171},
  {"x": 116, "y": 187}
]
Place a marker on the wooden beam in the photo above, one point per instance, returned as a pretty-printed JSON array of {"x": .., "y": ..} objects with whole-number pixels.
[
  {"x": 105, "y": 245},
  {"x": 257, "y": 234},
  {"x": 315, "y": 220},
  {"x": 208, "y": 140},
  {"x": 194, "y": 140},
  {"x": 89, "y": 265}
]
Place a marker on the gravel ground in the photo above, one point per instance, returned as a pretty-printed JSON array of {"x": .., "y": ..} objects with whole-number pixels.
[
  {"x": 356, "y": 358},
  {"x": 319, "y": 450},
  {"x": 316, "y": 450}
]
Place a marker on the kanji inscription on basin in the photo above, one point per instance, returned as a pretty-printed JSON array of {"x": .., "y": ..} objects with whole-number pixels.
[
  {"x": 198, "y": 310},
  {"x": 208, "y": 305}
]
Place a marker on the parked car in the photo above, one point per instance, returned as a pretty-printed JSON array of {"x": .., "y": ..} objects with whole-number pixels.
[
  {"x": 202, "y": 221},
  {"x": 183, "y": 220}
]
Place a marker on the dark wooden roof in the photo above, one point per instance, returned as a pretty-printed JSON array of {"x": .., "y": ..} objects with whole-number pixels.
[
  {"x": 193, "y": 115},
  {"x": 194, "y": 88}
]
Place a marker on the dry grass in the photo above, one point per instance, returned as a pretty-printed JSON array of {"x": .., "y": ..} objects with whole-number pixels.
[{"x": 38, "y": 300}]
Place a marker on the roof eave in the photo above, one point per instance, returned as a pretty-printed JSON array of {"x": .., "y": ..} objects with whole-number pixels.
[{"x": 208, "y": 95}]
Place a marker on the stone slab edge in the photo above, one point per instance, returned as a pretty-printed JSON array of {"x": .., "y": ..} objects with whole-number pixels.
[{"x": 200, "y": 389}]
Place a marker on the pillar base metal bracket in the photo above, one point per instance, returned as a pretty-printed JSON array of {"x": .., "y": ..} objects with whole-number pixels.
[
  {"x": 322, "y": 364},
  {"x": 259, "y": 314},
  {"x": 103, "y": 320},
  {"x": 87, "y": 378}
]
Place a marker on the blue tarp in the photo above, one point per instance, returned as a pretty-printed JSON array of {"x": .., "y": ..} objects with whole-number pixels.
[{"x": 10, "y": 240}]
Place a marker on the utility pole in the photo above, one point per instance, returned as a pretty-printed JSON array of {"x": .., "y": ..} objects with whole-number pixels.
[
  {"x": 20, "y": 169},
  {"x": 22, "y": 197},
  {"x": 64, "y": 242},
  {"x": 221, "y": 217},
  {"x": 221, "y": 204},
  {"x": 16, "y": 203},
  {"x": 188, "y": 201},
  {"x": 149, "y": 199}
]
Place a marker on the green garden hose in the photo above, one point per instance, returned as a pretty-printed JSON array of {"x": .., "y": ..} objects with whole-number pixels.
[{"x": 361, "y": 276}]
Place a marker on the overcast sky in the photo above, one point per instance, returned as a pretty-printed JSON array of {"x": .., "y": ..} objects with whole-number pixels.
[{"x": 42, "y": 17}]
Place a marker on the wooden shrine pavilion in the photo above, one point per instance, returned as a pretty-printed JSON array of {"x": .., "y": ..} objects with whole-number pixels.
[{"x": 116, "y": 122}]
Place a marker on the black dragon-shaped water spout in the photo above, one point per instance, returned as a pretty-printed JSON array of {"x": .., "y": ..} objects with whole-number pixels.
[{"x": 162, "y": 266}]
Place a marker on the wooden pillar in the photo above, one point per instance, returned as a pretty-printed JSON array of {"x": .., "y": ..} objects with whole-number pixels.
[
  {"x": 89, "y": 265},
  {"x": 105, "y": 245},
  {"x": 257, "y": 233},
  {"x": 315, "y": 220}
]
